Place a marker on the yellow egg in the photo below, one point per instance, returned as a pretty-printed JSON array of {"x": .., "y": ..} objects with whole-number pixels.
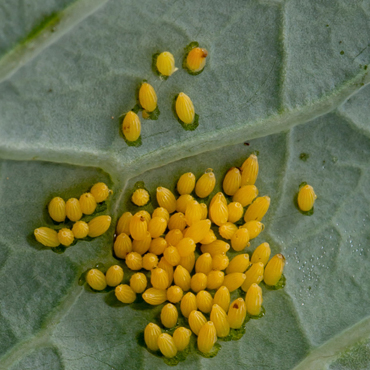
[
  {"x": 96, "y": 279},
  {"x": 188, "y": 304},
  {"x": 150, "y": 261},
  {"x": 207, "y": 337},
  {"x": 239, "y": 263},
  {"x": 57, "y": 209},
  {"x": 114, "y": 275},
  {"x": 257, "y": 209},
  {"x": 166, "y": 199},
  {"x": 147, "y": 97},
  {"x": 159, "y": 278},
  {"x": 154, "y": 296},
  {"x": 182, "y": 278},
  {"x": 219, "y": 319},
  {"x": 204, "y": 301},
  {"x": 47, "y": 236},
  {"x": 169, "y": 315},
  {"x": 151, "y": 334},
  {"x": 245, "y": 195},
  {"x": 124, "y": 293},
  {"x": 157, "y": 246},
  {"x": 138, "y": 227},
  {"x": 73, "y": 209},
  {"x": 234, "y": 281},
  {"x": 274, "y": 270},
  {"x": 140, "y": 197},
  {"x": 99, "y": 225},
  {"x": 167, "y": 345},
  {"x": 261, "y": 253},
  {"x": 220, "y": 262},
  {"x": 222, "y": 298},
  {"x": 205, "y": 184},
  {"x": 123, "y": 224},
  {"x": 80, "y": 229},
  {"x": 235, "y": 211},
  {"x": 227, "y": 230},
  {"x": 186, "y": 246},
  {"x": 181, "y": 337},
  {"x": 122, "y": 245},
  {"x": 157, "y": 226},
  {"x": 196, "y": 321},
  {"x": 138, "y": 282},
  {"x": 306, "y": 198},
  {"x": 134, "y": 261},
  {"x": 196, "y": 59},
  {"x": 185, "y": 108},
  {"x": 198, "y": 282},
  {"x": 253, "y": 300},
  {"x": 215, "y": 279},
  {"x": 249, "y": 170},
  {"x": 131, "y": 126},
  {"x": 237, "y": 313},
  {"x": 65, "y": 237},
  {"x": 174, "y": 294},
  {"x": 166, "y": 63},
  {"x": 172, "y": 255},
  {"x": 87, "y": 203},
  {"x": 240, "y": 239},
  {"x": 177, "y": 221},
  {"x": 186, "y": 184},
  {"x": 100, "y": 192},
  {"x": 253, "y": 276},
  {"x": 204, "y": 263},
  {"x": 232, "y": 181},
  {"x": 142, "y": 246}
]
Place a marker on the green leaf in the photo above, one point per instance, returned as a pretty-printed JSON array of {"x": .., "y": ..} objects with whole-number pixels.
[{"x": 69, "y": 67}]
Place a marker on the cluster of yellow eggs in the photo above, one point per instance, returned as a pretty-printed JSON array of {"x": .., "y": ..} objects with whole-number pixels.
[
  {"x": 165, "y": 64},
  {"x": 74, "y": 209},
  {"x": 165, "y": 244}
]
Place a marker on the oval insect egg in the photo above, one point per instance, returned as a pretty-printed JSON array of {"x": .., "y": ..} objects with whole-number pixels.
[
  {"x": 196, "y": 59},
  {"x": 140, "y": 197},
  {"x": 166, "y": 64},
  {"x": 185, "y": 108},
  {"x": 147, "y": 97},
  {"x": 131, "y": 126}
]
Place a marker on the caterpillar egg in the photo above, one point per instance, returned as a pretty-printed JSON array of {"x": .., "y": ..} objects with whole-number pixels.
[
  {"x": 87, "y": 203},
  {"x": 100, "y": 192},
  {"x": 131, "y": 126},
  {"x": 80, "y": 229},
  {"x": 140, "y": 197},
  {"x": 73, "y": 209},
  {"x": 57, "y": 209},
  {"x": 65, "y": 237},
  {"x": 185, "y": 108},
  {"x": 186, "y": 183},
  {"x": 147, "y": 97},
  {"x": 306, "y": 198},
  {"x": 196, "y": 59},
  {"x": 150, "y": 261},
  {"x": 47, "y": 236},
  {"x": 166, "y": 63},
  {"x": 99, "y": 225}
]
